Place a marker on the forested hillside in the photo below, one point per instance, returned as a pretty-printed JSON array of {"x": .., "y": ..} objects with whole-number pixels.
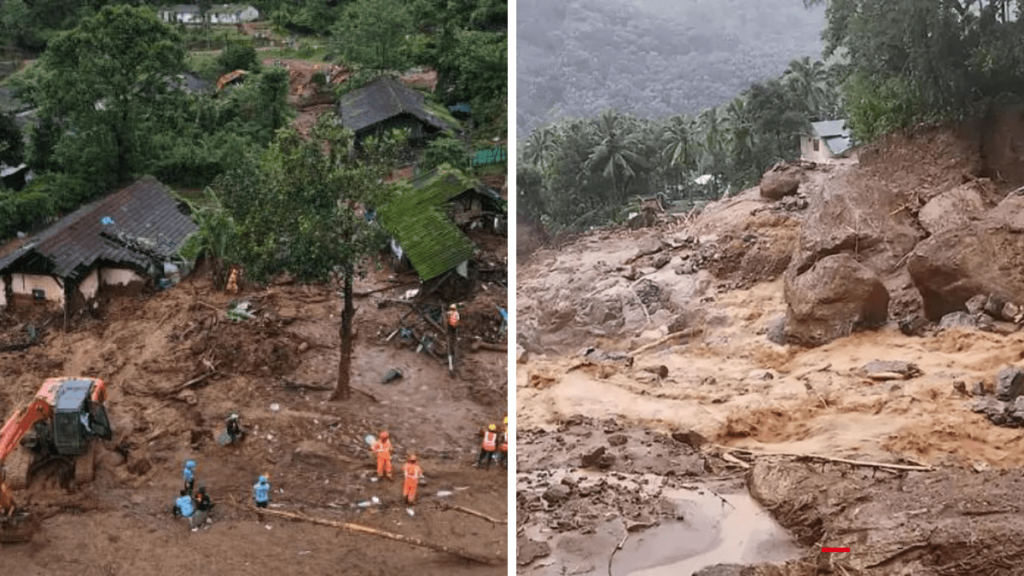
[{"x": 652, "y": 57}]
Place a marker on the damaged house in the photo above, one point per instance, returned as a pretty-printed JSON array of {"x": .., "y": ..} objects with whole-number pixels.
[
  {"x": 427, "y": 222},
  {"x": 386, "y": 104},
  {"x": 122, "y": 242}
]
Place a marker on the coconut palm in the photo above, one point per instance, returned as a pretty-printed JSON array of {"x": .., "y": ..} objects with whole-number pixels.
[
  {"x": 809, "y": 82},
  {"x": 616, "y": 156}
]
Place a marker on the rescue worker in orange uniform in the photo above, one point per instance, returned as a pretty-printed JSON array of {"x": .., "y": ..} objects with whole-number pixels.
[
  {"x": 488, "y": 447},
  {"x": 453, "y": 319},
  {"x": 383, "y": 449},
  {"x": 503, "y": 445},
  {"x": 413, "y": 473}
]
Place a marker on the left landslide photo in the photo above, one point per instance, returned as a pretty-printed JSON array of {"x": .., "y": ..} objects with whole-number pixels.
[{"x": 254, "y": 288}]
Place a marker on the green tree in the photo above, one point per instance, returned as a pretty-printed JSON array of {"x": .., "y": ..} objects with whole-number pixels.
[
  {"x": 374, "y": 33},
  {"x": 616, "y": 156},
  {"x": 539, "y": 146},
  {"x": 239, "y": 56},
  {"x": 300, "y": 207},
  {"x": 105, "y": 77},
  {"x": 12, "y": 147},
  {"x": 445, "y": 151}
]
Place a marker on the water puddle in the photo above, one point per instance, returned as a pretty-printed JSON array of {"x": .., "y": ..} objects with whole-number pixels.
[{"x": 711, "y": 532}]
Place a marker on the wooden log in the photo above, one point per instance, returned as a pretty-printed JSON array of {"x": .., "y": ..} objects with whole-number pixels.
[
  {"x": 446, "y": 506},
  {"x": 687, "y": 333},
  {"x": 882, "y": 465},
  {"x": 479, "y": 344},
  {"x": 475, "y": 557},
  {"x": 179, "y": 387}
]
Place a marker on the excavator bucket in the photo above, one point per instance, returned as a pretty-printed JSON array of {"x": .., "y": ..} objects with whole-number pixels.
[{"x": 17, "y": 528}]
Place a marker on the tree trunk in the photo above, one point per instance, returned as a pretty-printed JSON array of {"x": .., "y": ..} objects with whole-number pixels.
[{"x": 343, "y": 391}]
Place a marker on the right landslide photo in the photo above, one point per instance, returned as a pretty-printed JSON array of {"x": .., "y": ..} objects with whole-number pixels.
[{"x": 770, "y": 287}]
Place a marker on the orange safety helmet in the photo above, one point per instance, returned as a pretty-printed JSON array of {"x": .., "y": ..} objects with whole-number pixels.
[{"x": 384, "y": 435}]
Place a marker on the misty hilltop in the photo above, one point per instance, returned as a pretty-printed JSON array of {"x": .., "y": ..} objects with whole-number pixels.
[{"x": 652, "y": 57}]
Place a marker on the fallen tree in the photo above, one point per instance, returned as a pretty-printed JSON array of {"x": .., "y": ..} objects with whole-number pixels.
[{"x": 482, "y": 559}]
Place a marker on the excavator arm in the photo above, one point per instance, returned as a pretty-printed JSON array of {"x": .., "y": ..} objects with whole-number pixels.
[
  {"x": 10, "y": 438},
  {"x": 39, "y": 410}
]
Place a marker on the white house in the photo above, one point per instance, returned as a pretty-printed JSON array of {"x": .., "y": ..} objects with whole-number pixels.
[
  {"x": 232, "y": 14},
  {"x": 827, "y": 140},
  {"x": 181, "y": 14},
  {"x": 217, "y": 14}
]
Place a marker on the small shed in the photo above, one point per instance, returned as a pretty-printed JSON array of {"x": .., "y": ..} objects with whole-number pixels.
[
  {"x": 827, "y": 140},
  {"x": 384, "y": 104},
  {"x": 121, "y": 242}
]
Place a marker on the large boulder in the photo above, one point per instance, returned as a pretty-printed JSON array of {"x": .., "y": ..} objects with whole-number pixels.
[
  {"x": 833, "y": 298},
  {"x": 861, "y": 216},
  {"x": 954, "y": 208},
  {"x": 782, "y": 180},
  {"x": 983, "y": 257}
]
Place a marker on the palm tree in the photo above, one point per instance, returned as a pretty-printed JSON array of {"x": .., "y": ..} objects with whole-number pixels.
[
  {"x": 539, "y": 146},
  {"x": 616, "y": 156},
  {"x": 681, "y": 146},
  {"x": 809, "y": 82}
]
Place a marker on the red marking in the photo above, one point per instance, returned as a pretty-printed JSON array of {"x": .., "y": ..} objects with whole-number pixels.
[{"x": 835, "y": 549}]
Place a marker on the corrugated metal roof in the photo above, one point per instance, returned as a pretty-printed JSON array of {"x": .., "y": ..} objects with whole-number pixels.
[
  {"x": 380, "y": 100},
  {"x": 433, "y": 243},
  {"x": 144, "y": 212},
  {"x": 830, "y": 128},
  {"x": 418, "y": 221},
  {"x": 838, "y": 144}
]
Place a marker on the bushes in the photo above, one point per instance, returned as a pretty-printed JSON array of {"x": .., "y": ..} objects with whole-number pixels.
[
  {"x": 20, "y": 211},
  {"x": 239, "y": 56},
  {"x": 445, "y": 151}
]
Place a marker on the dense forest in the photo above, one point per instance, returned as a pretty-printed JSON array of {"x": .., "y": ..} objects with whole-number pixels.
[
  {"x": 107, "y": 92},
  {"x": 652, "y": 57}
]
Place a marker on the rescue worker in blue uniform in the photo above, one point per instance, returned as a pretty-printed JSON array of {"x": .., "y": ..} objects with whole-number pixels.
[
  {"x": 261, "y": 492},
  {"x": 185, "y": 508},
  {"x": 189, "y": 474}
]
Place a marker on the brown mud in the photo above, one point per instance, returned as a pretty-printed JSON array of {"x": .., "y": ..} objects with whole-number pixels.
[
  {"x": 660, "y": 354},
  {"x": 277, "y": 370}
]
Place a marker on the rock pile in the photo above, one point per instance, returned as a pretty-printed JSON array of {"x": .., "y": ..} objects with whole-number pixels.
[{"x": 1006, "y": 407}]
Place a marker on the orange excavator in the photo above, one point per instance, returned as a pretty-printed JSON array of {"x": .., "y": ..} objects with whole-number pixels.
[{"x": 56, "y": 426}]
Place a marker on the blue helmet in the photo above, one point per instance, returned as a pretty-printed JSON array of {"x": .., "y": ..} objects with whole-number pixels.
[
  {"x": 190, "y": 463},
  {"x": 263, "y": 479}
]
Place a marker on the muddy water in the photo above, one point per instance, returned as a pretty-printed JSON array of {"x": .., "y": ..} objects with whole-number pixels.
[{"x": 711, "y": 531}]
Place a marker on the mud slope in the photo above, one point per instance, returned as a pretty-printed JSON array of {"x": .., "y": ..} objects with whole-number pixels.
[{"x": 686, "y": 330}]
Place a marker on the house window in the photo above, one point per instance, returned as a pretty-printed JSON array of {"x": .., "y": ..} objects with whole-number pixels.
[
  {"x": 815, "y": 144},
  {"x": 38, "y": 294}
]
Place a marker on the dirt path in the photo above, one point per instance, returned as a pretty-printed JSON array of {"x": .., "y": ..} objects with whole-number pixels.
[{"x": 312, "y": 448}]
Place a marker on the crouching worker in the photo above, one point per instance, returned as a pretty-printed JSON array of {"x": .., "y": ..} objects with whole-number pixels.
[{"x": 185, "y": 508}]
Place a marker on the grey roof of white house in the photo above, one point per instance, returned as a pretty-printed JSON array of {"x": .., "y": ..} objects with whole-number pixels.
[{"x": 835, "y": 134}]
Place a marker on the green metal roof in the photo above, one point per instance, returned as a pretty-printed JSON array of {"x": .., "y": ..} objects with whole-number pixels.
[{"x": 418, "y": 221}]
